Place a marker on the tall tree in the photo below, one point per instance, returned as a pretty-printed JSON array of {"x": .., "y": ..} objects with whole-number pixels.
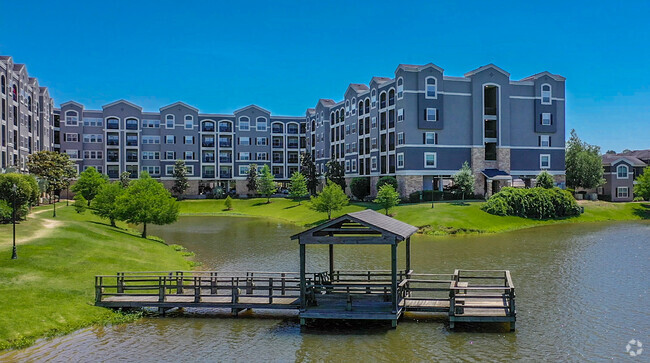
[
  {"x": 146, "y": 201},
  {"x": 610, "y": 152},
  {"x": 298, "y": 187},
  {"x": 125, "y": 179},
  {"x": 387, "y": 197},
  {"x": 180, "y": 178},
  {"x": 464, "y": 180},
  {"x": 642, "y": 186},
  {"x": 54, "y": 167},
  {"x": 584, "y": 166},
  {"x": 252, "y": 179},
  {"x": 89, "y": 183},
  {"x": 336, "y": 173},
  {"x": 544, "y": 180},
  {"x": 330, "y": 199},
  {"x": 266, "y": 184},
  {"x": 25, "y": 194},
  {"x": 308, "y": 169},
  {"x": 106, "y": 201}
]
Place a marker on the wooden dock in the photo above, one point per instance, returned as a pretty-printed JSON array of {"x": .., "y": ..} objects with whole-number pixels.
[{"x": 464, "y": 296}]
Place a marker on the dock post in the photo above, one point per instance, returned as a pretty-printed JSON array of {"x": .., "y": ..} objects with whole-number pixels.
[
  {"x": 179, "y": 282},
  {"x": 213, "y": 283},
  {"x": 284, "y": 283},
  {"x": 197, "y": 289},
  {"x": 393, "y": 285},
  {"x": 120, "y": 282},
  {"x": 161, "y": 288},
  {"x": 303, "y": 282}
]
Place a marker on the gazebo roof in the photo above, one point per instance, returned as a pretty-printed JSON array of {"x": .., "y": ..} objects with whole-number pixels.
[{"x": 363, "y": 227}]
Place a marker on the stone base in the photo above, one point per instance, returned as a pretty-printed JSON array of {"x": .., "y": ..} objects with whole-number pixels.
[
  {"x": 407, "y": 184},
  {"x": 240, "y": 187},
  {"x": 193, "y": 188},
  {"x": 373, "y": 186}
]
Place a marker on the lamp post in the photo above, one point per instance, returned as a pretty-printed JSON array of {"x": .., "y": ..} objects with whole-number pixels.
[{"x": 14, "y": 189}]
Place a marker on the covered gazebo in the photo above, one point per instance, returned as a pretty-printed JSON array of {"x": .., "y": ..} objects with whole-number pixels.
[{"x": 353, "y": 294}]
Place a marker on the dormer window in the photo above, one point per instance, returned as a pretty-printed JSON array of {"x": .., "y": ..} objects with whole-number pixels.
[
  {"x": 244, "y": 123},
  {"x": 431, "y": 88},
  {"x": 400, "y": 88},
  {"x": 622, "y": 172},
  {"x": 546, "y": 94}
]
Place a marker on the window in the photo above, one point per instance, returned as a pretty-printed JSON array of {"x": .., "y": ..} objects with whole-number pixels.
[
  {"x": 373, "y": 98},
  {"x": 261, "y": 156},
  {"x": 131, "y": 124},
  {"x": 169, "y": 121},
  {"x": 347, "y": 107},
  {"x": 190, "y": 169},
  {"x": 73, "y": 154},
  {"x": 400, "y": 115},
  {"x": 150, "y": 139},
  {"x": 429, "y": 160},
  {"x": 189, "y": 122},
  {"x": 244, "y": 140},
  {"x": 546, "y": 94},
  {"x": 431, "y": 90},
  {"x": 93, "y": 138},
  {"x": 391, "y": 97},
  {"x": 546, "y": 118},
  {"x": 354, "y": 147},
  {"x": 353, "y": 128},
  {"x": 189, "y": 155},
  {"x": 169, "y": 169},
  {"x": 151, "y": 124},
  {"x": 152, "y": 170},
  {"x": 431, "y": 114},
  {"x": 382, "y": 100},
  {"x": 262, "y": 141},
  {"x": 400, "y": 88},
  {"x": 400, "y": 138},
  {"x": 261, "y": 124},
  {"x": 243, "y": 170},
  {"x": 93, "y": 121},
  {"x": 354, "y": 106},
  {"x": 373, "y": 163},
  {"x": 170, "y": 139},
  {"x": 347, "y": 166},
  {"x": 622, "y": 172},
  {"x": 622, "y": 192},
  {"x": 92, "y": 154},
  {"x": 3, "y": 84},
  {"x": 113, "y": 124},
  {"x": 360, "y": 108},
  {"x": 374, "y": 122},
  {"x": 545, "y": 140},
  {"x": 70, "y": 137},
  {"x": 544, "y": 161},
  {"x": 245, "y": 156},
  {"x": 189, "y": 140},
  {"x": 400, "y": 160},
  {"x": 150, "y": 155},
  {"x": 354, "y": 165},
  {"x": 170, "y": 155},
  {"x": 244, "y": 123},
  {"x": 71, "y": 118}
]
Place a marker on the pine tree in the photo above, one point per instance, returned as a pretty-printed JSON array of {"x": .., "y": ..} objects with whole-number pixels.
[
  {"x": 298, "y": 187},
  {"x": 252, "y": 179},
  {"x": 464, "y": 180},
  {"x": 266, "y": 185},
  {"x": 308, "y": 169},
  {"x": 336, "y": 173},
  {"x": 180, "y": 178}
]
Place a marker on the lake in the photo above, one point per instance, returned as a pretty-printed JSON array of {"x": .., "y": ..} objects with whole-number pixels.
[{"x": 582, "y": 293}]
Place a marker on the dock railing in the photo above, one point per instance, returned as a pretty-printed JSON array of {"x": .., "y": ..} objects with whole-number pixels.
[{"x": 482, "y": 293}]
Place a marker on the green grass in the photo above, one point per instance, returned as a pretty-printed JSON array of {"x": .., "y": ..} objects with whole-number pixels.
[
  {"x": 445, "y": 218},
  {"x": 49, "y": 289}
]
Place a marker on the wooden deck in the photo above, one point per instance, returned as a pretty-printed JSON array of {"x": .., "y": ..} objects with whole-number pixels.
[{"x": 465, "y": 296}]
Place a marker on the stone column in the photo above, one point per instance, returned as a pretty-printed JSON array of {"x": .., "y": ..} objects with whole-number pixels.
[
  {"x": 373, "y": 186},
  {"x": 407, "y": 184}
]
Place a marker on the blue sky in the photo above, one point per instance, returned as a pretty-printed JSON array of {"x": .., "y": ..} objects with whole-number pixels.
[{"x": 284, "y": 56}]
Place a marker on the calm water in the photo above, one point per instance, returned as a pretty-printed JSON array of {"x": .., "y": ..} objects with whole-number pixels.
[{"x": 582, "y": 293}]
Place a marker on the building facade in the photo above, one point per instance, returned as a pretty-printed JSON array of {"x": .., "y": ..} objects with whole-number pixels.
[
  {"x": 27, "y": 115},
  {"x": 620, "y": 172},
  {"x": 422, "y": 125},
  {"x": 217, "y": 148}
]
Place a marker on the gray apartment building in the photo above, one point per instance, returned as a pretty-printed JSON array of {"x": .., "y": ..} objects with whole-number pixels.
[
  {"x": 27, "y": 115},
  {"x": 217, "y": 148},
  {"x": 421, "y": 125}
]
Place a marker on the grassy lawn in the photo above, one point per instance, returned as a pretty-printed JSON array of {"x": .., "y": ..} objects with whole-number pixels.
[
  {"x": 444, "y": 218},
  {"x": 49, "y": 289}
]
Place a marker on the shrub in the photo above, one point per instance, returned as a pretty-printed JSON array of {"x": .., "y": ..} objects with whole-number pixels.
[
  {"x": 387, "y": 197},
  {"x": 544, "y": 180},
  {"x": 80, "y": 203},
  {"x": 228, "y": 203},
  {"x": 638, "y": 199},
  {"x": 537, "y": 203},
  {"x": 360, "y": 187},
  {"x": 387, "y": 180},
  {"x": 415, "y": 197},
  {"x": 5, "y": 212}
]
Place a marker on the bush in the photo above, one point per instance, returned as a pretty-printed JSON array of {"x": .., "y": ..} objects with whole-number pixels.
[
  {"x": 228, "y": 203},
  {"x": 80, "y": 203},
  {"x": 638, "y": 199},
  {"x": 537, "y": 203},
  {"x": 544, "y": 180},
  {"x": 387, "y": 180},
  {"x": 5, "y": 212},
  {"x": 360, "y": 187},
  {"x": 415, "y": 197}
]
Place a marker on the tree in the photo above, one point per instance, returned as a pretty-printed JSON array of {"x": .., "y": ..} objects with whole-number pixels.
[
  {"x": 626, "y": 150},
  {"x": 125, "y": 179},
  {"x": 584, "y": 168},
  {"x": 106, "y": 201},
  {"x": 298, "y": 186},
  {"x": 146, "y": 201},
  {"x": 228, "y": 203},
  {"x": 610, "y": 152},
  {"x": 336, "y": 173},
  {"x": 545, "y": 180},
  {"x": 308, "y": 169},
  {"x": 25, "y": 194},
  {"x": 180, "y": 178},
  {"x": 464, "y": 180},
  {"x": 387, "y": 197},
  {"x": 89, "y": 183},
  {"x": 79, "y": 203},
  {"x": 330, "y": 199},
  {"x": 642, "y": 186},
  {"x": 251, "y": 179},
  {"x": 360, "y": 187},
  {"x": 54, "y": 167},
  {"x": 387, "y": 180},
  {"x": 266, "y": 183}
]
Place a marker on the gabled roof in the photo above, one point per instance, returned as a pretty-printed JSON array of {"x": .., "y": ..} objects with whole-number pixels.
[
  {"x": 380, "y": 80},
  {"x": 72, "y": 103},
  {"x": 358, "y": 87},
  {"x": 122, "y": 101},
  {"x": 254, "y": 107},
  {"x": 613, "y": 159},
  {"x": 639, "y": 154},
  {"x": 555, "y": 77},
  {"x": 417, "y": 68},
  {"x": 487, "y": 66},
  {"x": 390, "y": 230},
  {"x": 326, "y": 102},
  {"x": 179, "y": 103}
]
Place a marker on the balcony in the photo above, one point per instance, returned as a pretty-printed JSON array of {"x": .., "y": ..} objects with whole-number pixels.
[
  {"x": 225, "y": 128},
  {"x": 113, "y": 174},
  {"x": 225, "y": 159},
  {"x": 208, "y": 159},
  {"x": 292, "y": 160},
  {"x": 207, "y": 143},
  {"x": 208, "y": 127},
  {"x": 112, "y": 142},
  {"x": 207, "y": 174},
  {"x": 225, "y": 143},
  {"x": 225, "y": 175},
  {"x": 131, "y": 142},
  {"x": 277, "y": 129},
  {"x": 292, "y": 130}
]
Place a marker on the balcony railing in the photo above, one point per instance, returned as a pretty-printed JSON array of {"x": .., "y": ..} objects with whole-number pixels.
[
  {"x": 112, "y": 142},
  {"x": 113, "y": 159},
  {"x": 292, "y": 145},
  {"x": 208, "y": 159},
  {"x": 225, "y": 144},
  {"x": 208, "y": 128},
  {"x": 207, "y": 144},
  {"x": 207, "y": 175},
  {"x": 225, "y": 128},
  {"x": 113, "y": 174},
  {"x": 225, "y": 175},
  {"x": 223, "y": 159}
]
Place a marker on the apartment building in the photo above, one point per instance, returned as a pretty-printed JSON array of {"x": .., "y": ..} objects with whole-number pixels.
[
  {"x": 26, "y": 121},
  {"x": 217, "y": 148},
  {"x": 422, "y": 125},
  {"x": 620, "y": 173}
]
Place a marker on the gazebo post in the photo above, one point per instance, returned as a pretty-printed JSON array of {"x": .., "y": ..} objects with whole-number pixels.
[
  {"x": 393, "y": 285},
  {"x": 303, "y": 282},
  {"x": 331, "y": 248},
  {"x": 408, "y": 257}
]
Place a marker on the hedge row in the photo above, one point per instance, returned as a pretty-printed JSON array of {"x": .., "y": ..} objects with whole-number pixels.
[
  {"x": 537, "y": 203},
  {"x": 436, "y": 195}
]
